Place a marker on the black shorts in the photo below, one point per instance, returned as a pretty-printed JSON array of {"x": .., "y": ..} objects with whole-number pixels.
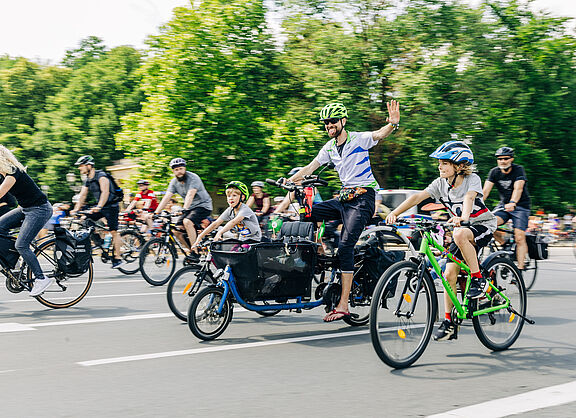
[
  {"x": 110, "y": 213},
  {"x": 196, "y": 215},
  {"x": 482, "y": 237}
]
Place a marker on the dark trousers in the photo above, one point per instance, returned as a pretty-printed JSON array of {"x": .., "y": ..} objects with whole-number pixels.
[{"x": 354, "y": 215}]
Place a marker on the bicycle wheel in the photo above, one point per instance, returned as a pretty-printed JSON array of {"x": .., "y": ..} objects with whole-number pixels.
[
  {"x": 529, "y": 273},
  {"x": 68, "y": 290},
  {"x": 400, "y": 332},
  {"x": 157, "y": 261},
  {"x": 182, "y": 288},
  {"x": 499, "y": 330},
  {"x": 203, "y": 319},
  {"x": 359, "y": 306},
  {"x": 131, "y": 245}
]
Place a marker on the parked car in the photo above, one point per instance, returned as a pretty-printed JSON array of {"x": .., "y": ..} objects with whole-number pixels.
[{"x": 392, "y": 198}]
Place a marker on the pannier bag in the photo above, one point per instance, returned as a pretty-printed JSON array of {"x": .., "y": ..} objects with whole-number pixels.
[
  {"x": 537, "y": 247},
  {"x": 268, "y": 270},
  {"x": 8, "y": 254},
  {"x": 73, "y": 250},
  {"x": 376, "y": 262}
]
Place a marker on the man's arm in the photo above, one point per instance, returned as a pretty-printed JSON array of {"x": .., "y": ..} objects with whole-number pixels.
[
  {"x": 81, "y": 198},
  {"x": 189, "y": 197},
  {"x": 516, "y": 195},
  {"x": 305, "y": 171},
  {"x": 487, "y": 189},
  {"x": 104, "y": 193},
  {"x": 393, "y": 120}
]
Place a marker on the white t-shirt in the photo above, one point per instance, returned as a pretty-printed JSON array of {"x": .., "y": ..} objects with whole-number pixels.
[
  {"x": 248, "y": 228},
  {"x": 353, "y": 166},
  {"x": 453, "y": 198}
]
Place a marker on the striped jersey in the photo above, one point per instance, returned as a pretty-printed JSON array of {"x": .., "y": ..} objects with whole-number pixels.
[{"x": 353, "y": 166}]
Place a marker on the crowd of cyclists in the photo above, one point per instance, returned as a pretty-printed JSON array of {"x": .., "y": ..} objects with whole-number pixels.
[{"x": 458, "y": 189}]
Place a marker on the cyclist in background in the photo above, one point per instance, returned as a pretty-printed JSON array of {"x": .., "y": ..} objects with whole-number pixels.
[
  {"x": 197, "y": 203},
  {"x": 239, "y": 218},
  {"x": 262, "y": 201},
  {"x": 98, "y": 183},
  {"x": 460, "y": 191},
  {"x": 32, "y": 214},
  {"x": 348, "y": 151},
  {"x": 148, "y": 201},
  {"x": 510, "y": 180}
]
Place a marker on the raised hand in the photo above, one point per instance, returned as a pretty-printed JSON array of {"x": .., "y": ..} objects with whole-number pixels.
[{"x": 393, "y": 112}]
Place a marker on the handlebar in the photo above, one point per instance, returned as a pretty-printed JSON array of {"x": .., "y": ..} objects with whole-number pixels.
[
  {"x": 426, "y": 223},
  {"x": 313, "y": 181}
]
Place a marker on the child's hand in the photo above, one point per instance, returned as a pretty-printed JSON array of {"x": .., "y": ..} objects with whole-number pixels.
[
  {"x": 390, "y": 219},
  {"x": 218, "y": 237},
  {"x": 455, "y": 220}
]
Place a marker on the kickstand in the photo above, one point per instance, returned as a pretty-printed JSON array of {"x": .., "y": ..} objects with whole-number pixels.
[{"x": 530, "y": 321}]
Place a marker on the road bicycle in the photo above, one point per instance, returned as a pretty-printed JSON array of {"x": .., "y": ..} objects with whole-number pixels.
[
  {"x": 130, "y": 245},
  {"x": 68, "y": 289},
  {"x": 404, "y": 304},
  {"x": 158, "y": 257}
]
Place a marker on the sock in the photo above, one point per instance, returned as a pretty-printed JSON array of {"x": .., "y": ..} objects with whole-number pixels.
[
  {"x": 448, "y": 316},
  {"x": 477, "y": 274}
]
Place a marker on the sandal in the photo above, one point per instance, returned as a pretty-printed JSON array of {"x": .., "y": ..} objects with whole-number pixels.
[{"x": 336, "y": 316}]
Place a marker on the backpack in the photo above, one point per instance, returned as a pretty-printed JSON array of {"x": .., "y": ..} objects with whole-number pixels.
[
  {"x": 117, "y": 194},
  {"x": 73, "y": 250}
]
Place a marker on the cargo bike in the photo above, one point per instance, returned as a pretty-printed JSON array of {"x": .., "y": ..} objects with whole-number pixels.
[{"x": 267, "y": 277}]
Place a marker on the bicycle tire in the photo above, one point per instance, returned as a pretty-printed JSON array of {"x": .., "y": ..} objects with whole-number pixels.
[
  {"x": 530, "y": 272},
  {"x": 178, "y": 292},
  {"x": 498, "y": 330},
  {"x": 129, "y": 252},
  {"x": 398, "y": 340},
  {"x": 68, "y": 289},
  {"x": 157, "y": 261},
  {"x": 207, "y": 310}
]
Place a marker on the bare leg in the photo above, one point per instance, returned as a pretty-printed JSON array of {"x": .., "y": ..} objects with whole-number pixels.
[
  {"x": 451, "y": 275},
  {"x": 116, "y": 243},
  {"x": 500, "y": 236},
  {"x": 464, "y": 239},
  {"x": 191, "y": 230},
  {"x": 521, "y": 247}
]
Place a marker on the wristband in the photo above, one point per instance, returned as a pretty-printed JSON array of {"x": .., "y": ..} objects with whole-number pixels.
[
  {"x": 395, "y": 126},
  {"x": 513, "y": 201}
]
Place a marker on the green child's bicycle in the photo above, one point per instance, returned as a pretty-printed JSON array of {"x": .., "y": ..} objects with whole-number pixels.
[{"x": 404, "y": 304}]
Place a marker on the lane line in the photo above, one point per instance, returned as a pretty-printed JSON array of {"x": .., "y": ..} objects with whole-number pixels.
[
  {"x": 517, "y": 404},
  {"x": 91, "y": 297},
  {"x": 165, "y": 354}
]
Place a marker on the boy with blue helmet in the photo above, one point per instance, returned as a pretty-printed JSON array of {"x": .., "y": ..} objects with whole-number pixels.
[{"x": 460, "y": 191}]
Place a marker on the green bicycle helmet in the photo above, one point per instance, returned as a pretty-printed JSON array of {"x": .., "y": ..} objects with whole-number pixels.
[
  {"x": 333, "y": 110},
  {"x": 240, "y": 186}
]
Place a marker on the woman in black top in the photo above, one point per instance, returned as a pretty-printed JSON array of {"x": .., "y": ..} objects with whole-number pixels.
[{"x": 32, "y": 214}]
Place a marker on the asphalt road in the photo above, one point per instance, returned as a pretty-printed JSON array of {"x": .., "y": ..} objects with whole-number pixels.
[{"x": 121, "y": 353}]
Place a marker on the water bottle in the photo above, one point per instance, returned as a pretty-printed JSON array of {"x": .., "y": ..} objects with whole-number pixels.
[{"x": 107, "y": 241}]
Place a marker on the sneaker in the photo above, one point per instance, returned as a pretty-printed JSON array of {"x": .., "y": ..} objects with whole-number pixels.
[
  {"x": 446, "y": 331},
  {"x": 116, "y": 263},
  {"x": 40, "y": 285},
  {"x": 192, "y": 258},
  {"x": 478, "y": 287}
]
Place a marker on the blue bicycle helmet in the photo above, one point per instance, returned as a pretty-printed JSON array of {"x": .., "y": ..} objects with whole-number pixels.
[{"x": 456, "y": 151}]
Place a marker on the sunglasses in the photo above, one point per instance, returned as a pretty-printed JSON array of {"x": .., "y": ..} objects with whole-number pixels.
[
  {"x": 331, "y": 120},
  {"x": 504, "y": 158}
]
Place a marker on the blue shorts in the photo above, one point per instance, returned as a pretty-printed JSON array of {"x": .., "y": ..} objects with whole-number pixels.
[{"x": 519, "y": 216}]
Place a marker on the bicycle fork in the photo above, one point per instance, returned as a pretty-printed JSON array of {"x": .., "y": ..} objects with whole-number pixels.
[{"x": 406, "y": 297}]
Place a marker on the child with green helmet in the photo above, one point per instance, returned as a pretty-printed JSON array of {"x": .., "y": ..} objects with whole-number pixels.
[{"x": 238, "y": 217}]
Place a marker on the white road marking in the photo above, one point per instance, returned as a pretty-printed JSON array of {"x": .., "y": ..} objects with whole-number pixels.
[
  {"x": 91, "y": 297},
  {"x": 524, "y": 402},
  {"x": 220, "y": 348},
  {"x": 99, "y": 320},
  {"x": 14, "y": 327}
]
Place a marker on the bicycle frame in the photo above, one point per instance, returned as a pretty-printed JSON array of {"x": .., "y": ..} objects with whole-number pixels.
[
  {"x": 229, "y": 284},
  {"x": 462, "y": 309}
]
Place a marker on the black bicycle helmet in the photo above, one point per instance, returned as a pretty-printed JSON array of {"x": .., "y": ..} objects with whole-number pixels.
[{"x": 504, "y": 152}]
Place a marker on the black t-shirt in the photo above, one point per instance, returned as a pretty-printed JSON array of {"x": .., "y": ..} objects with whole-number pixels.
[
  {"x": 505, "y": 184},
  {"x": 93, "y": 185},
  {"x": 26, "y": 192},
  {"x": 9, "y": 200}
]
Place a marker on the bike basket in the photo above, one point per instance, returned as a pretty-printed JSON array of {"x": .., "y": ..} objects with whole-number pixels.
[
  {"x": 268, "y": 270},
  {"x": 8, "y": 254},
  {"x": 73, "y": 250},
  {"x": 537, "y": 247}
]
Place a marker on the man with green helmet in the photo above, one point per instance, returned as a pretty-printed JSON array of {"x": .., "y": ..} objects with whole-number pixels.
[{"x": 348, "y": 151}]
